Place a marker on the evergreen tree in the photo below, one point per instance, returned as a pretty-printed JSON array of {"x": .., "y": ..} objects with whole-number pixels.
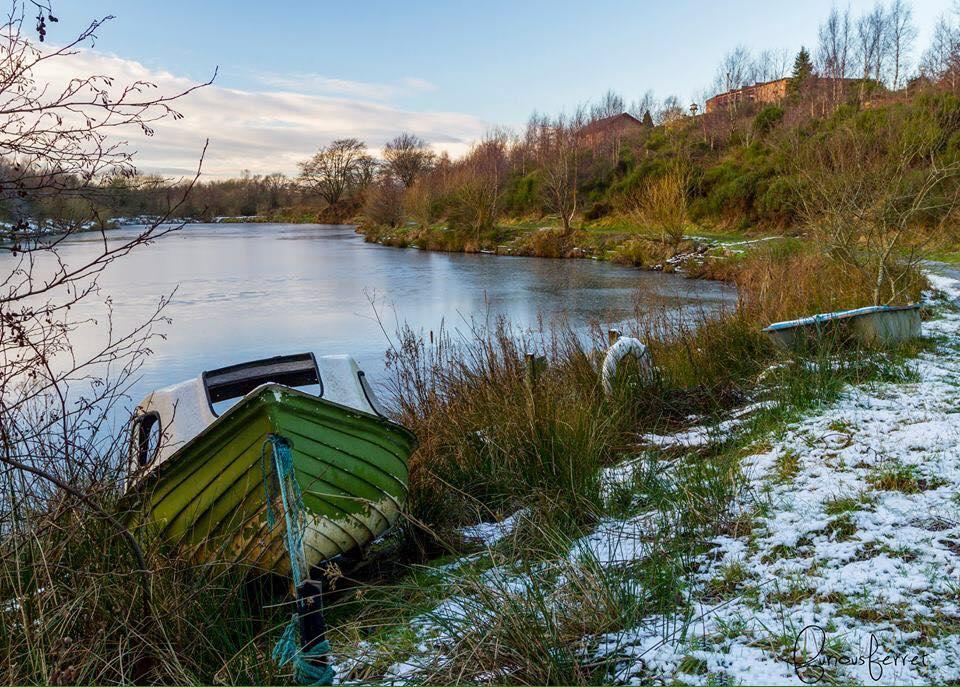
[
  {"x": 647, "y": 119},
  {"x": 802, "y": 69}
]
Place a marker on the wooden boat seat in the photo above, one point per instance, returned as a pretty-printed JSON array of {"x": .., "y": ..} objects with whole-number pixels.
[{"x": 234, "y": 381}]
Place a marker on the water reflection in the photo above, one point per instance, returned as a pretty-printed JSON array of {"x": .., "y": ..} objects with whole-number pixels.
[{"x": 247, "y": 291}]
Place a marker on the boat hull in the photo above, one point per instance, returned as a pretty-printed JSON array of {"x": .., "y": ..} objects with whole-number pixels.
[
  {"x": 210, "y": 496},
  {"x": 875, "y": 325},
  {"x": 887, "y": 327}
]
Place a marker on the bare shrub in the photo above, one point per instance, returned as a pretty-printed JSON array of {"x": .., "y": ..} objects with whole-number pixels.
[
  {"x": 420, "y": 202},
  {"x": 477, "y": 185},
  {"x": 384, "y": 202},
  {"x": 545, "y": 243},
  {"x": 662, "y": 204},
  {"x": 641, "y": 252},
  {"x": 81, "y": 600},
  {"x": 871, "y": 192}
]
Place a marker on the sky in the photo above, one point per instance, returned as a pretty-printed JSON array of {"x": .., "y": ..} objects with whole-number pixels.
[{"x": 291, "y": 77}]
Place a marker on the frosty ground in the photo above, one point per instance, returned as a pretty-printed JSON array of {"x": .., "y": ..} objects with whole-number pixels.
[{"x": 846, "y": 568}]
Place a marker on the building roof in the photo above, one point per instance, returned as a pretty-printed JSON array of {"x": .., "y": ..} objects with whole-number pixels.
[{"x": 624, "y": 120}]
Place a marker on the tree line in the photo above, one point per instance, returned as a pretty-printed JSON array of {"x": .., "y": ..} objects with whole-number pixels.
[{"x": 570, "y": 166}]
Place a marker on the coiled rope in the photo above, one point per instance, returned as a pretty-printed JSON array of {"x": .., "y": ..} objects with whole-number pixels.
[{"x": 309, "y": 669}]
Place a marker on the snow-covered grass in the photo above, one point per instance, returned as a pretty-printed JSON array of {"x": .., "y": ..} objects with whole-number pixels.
[
  {"x": 853, "y": 513},
  {"x": 719, "y": 546},
  {"x": 860, "y": 536}
]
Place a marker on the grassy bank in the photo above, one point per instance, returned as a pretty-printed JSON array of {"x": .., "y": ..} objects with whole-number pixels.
[
  {"x": 537, "y": 605},
  {"x": 700, "y": 254}
]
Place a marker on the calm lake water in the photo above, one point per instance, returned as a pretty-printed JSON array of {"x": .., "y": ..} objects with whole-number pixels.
[{"x": 248, "y": 291}]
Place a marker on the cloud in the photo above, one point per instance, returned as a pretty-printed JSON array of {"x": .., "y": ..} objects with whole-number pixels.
[
  {"x": 318, "y": 84},
  {"x": 266, "y": 130},
  {"x": 417, "y": 84}
]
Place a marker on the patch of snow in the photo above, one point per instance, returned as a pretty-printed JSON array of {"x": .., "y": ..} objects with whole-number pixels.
[
  {"x": 615, "y": 542},
  {"x": 704, "y": 435},
  {"x": 693, "y": 437},
  {"x": 489, "y": 533}
]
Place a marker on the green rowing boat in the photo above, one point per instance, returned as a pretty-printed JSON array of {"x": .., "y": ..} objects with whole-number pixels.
[{"x": 202, "y": 479}]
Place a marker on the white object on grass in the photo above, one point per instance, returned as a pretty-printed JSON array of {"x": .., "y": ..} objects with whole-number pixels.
[{"x": 622, "y": 347}]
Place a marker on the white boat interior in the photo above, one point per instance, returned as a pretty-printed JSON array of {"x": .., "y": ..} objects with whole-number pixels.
[{"x": 170, "y": 417}]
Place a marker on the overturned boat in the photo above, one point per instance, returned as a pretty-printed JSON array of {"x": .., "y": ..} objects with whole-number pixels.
[
  {"x": 202, "y": 472},
  {"x": 876, "y": 324}
]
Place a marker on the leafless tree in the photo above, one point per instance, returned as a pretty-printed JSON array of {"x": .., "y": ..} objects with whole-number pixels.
[
  {"x": 366, "y": 173},
  {"x": 873, "y": 43},
  {"x": 941, "y": 60},
  {"x": 833, "y": 52},
  {"x": 533, "y": 143},
  {"x": 562, "y": 167},
  {"x": 338, "y": 169},
  {"x": 64, "y": 141},
  {"x": 770, "y": 65},
  {"x": 59, "y": 138},
  {"x": 647, "y": 103},
  {"x": 407, "y": 157},
  {"x": 736, "y": 70},
  {"x": 670, "y": 110},
  {"x": 902, "y": 34},
  {"x": 275, "y": 185},
  {"x": 866, "y": 47},
  {"x": 610, "y": 105}
]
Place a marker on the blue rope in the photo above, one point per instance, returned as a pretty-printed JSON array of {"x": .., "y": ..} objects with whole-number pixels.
[
  {"x": 306, "y": 672},
  {"x": 291, "y": 500},
  {"x": 289, "y": 648}
]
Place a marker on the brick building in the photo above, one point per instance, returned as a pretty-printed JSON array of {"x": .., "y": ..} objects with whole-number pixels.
[
  {"x": 770, "y": 92},
  {"x": 765, "y": 92}
]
